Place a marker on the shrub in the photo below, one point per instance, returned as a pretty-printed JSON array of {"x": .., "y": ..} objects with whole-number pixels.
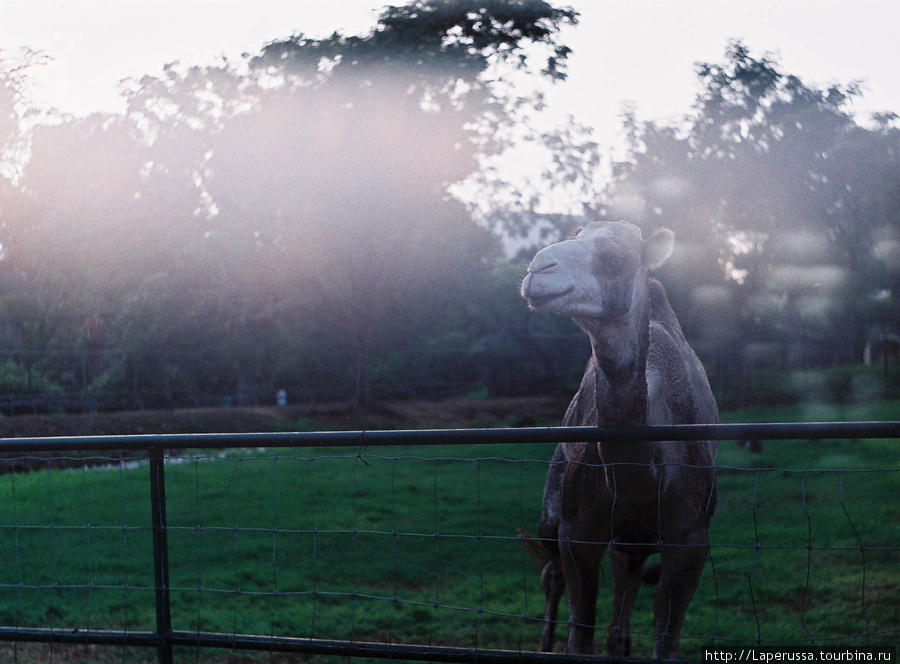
[{"x": 18, "y": 380}]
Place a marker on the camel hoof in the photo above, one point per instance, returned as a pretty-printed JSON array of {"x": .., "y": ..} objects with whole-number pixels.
[{"x": 618, "y": 644}]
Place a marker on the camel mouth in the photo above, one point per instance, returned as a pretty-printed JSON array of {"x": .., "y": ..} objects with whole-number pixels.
[{"x": 541, "y": 300}]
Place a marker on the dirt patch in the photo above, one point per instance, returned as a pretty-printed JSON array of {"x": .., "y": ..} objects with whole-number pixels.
[
  {"x": 454, "y": 414},
  {"x": 462, "y": 413}
]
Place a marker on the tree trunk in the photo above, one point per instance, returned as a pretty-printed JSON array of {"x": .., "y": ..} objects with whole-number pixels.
[{"x": 362, "y": 361}]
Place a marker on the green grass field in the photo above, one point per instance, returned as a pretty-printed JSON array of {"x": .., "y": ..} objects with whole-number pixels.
[{"x": 421, "y": 546}]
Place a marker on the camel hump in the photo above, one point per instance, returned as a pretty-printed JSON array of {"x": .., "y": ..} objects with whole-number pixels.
[
  {"x": 660, "y": 309},
  {"x": 679, "y": 386}
]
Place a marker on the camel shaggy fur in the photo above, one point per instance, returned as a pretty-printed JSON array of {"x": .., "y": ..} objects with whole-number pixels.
[{"x": 634, "y": 498}]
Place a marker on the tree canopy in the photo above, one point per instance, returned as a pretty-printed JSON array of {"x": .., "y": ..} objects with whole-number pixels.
[
  {"x": 310, "y": 178},
  {"x": 298, "y": 217},
  {"x": 786, "y": 201}
]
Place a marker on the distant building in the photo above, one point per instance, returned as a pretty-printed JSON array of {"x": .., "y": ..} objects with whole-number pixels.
[
  {"x": 534, "y": 230},
  {"x": 882, "y": 347}
]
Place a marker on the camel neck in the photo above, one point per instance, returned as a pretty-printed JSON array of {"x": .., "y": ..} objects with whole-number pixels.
[
  {"x": 620, "y": 369},
  {"x": 621, "y": 398}
]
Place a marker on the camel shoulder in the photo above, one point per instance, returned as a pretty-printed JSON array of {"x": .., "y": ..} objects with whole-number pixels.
[{"x": 582, "y": 410}]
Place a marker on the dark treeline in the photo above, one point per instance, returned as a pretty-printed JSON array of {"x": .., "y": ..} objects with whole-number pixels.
[
  {"x": 790, "y": 212},
  {"x": 286, "y": 221}
]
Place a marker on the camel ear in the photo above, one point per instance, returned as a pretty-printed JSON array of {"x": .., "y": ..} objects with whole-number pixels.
[{"x": 658, "y": 248}]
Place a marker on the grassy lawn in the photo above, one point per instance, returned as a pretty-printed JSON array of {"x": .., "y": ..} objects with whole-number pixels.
[{"x": 421, "y": 546}]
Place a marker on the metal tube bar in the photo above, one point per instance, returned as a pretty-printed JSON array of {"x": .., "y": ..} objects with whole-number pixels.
[
  {"x": 79, "y": 636},
  {"x": 161, "y": 556},
  {"x": 775, "y": 431},
  {"x": 401, "y": 651},
  {"x": 294, "y": 645}
]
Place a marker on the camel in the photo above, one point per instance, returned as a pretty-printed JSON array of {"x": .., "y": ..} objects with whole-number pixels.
[{"x": 634, "y": 498}]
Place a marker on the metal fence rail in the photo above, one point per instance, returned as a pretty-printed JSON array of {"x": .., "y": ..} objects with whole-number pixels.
[
  {"x": 145, "y": 442},
  {"x": 166, "y": 635}
]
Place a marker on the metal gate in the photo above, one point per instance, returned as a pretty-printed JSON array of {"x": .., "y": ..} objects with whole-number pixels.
[{"x": 167, "y": 635}]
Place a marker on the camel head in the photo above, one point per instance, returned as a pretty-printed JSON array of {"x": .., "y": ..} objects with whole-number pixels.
[{"x": 600, "y": 273}]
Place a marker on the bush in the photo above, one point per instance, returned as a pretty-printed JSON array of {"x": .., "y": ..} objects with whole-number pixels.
[
  {"x": 18, "y": 380},
  {"x": 23, "y": 389},
  {"x": 837, "y": 385}
]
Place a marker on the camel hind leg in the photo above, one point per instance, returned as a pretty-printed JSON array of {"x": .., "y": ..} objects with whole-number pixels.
[
  {"x": 552, "y": 580},
  {"x": 553, "y": 584}
]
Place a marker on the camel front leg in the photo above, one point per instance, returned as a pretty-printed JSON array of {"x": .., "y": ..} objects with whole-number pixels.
[
  {"x": 581, "y": 569},
  {"x": 682, "y": 566},
  {"x": 626, "y": 574}
]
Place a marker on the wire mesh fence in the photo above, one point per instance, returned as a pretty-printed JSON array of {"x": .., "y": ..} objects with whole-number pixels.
[{"x": 411, "y": 545}]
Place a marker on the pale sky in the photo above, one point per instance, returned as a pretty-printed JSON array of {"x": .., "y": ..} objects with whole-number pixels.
[{"x": 642, "y": 51}]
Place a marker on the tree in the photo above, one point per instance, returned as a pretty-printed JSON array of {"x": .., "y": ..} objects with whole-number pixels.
[
  {"x": 307, "y": 188},
  {"x": 326, "y": 168},
  {"x": 533, "y": 209},
  {"x": 15, "y": 113},
  {"x": 767, "y": 175}
]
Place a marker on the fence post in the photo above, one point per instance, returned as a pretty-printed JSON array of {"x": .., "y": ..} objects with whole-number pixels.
[{"x": 161, "y": 554}]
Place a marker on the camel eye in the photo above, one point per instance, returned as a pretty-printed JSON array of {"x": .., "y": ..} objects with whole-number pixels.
[{"x": 613, "y": 260}]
